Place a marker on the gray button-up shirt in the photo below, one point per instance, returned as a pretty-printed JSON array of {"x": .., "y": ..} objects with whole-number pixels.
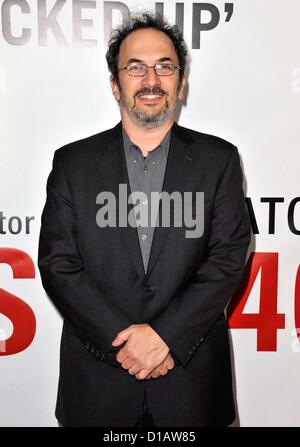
[{"x": 146, "y": 174}]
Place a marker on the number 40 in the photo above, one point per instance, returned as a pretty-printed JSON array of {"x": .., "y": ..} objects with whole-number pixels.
[{"x": 267, "y": 321}]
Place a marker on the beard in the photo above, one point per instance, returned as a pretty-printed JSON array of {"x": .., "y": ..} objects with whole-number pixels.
[{"x": 151, "y": 118}]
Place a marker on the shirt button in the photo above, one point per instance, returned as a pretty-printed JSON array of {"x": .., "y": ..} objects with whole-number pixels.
[
  {"x": 145, "y": 168},
  {"x": 144, "y": 237}
]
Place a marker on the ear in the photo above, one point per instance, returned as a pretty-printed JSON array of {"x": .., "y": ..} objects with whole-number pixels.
[
  {"x": 181, "y": 88},
  {"x": 114, "y": 88}
]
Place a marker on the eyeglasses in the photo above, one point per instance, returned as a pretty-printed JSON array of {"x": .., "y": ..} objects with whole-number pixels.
[{"x": 139, "y": 69}]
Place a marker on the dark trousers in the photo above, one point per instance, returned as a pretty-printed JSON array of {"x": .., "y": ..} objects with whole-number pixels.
[{"x": 145, "y": 419}]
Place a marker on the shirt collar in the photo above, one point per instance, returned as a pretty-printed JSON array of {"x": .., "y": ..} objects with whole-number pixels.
[{"x": 163, "y": 146}]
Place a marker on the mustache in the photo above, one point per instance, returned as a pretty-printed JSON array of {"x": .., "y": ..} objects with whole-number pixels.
[{"x": 150, "y": 91}]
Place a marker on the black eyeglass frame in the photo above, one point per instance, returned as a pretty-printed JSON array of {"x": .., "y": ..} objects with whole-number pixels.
[{"x": 149, "y": 66}]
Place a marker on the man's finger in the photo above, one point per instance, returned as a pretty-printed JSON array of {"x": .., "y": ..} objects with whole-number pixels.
[
  {"x": 121, "y": 337},
  {"x": 142, "y": 374}
]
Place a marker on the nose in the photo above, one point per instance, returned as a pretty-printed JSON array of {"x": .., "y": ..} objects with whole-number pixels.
[{"x": 151, "y": 78}]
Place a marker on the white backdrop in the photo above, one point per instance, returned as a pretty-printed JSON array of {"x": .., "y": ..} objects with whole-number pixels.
[{"x": 244, "y": 85}]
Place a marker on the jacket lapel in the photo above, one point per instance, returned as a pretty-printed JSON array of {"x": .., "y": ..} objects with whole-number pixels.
[
  {"x": 113, "y": 172},
  {"x": 178, "y": 170}
]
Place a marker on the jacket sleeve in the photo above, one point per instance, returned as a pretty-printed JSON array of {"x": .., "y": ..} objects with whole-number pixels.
[
  {"x": 81, "y": 303},
  {"x": 184, "y": 323}
]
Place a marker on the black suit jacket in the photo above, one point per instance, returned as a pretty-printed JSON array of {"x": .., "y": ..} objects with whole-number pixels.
[{"x": 96, "y": 279}]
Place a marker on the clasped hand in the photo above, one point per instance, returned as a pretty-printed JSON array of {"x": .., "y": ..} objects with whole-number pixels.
[{"x": 145, "y": 354}]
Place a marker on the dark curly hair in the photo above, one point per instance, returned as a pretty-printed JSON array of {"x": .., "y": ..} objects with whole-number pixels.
[{"x": 142, "y": 21}]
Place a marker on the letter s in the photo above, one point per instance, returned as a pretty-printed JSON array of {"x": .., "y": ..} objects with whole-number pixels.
[{"x": 14, "y": 308}]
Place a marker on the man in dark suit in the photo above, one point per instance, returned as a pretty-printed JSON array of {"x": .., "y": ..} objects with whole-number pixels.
[{"x": 145, "y": 339}]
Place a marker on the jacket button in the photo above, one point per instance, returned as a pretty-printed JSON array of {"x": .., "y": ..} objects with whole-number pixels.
[
  {"x": 102, "y": 356},
  {"x": 148, "y": 289}
]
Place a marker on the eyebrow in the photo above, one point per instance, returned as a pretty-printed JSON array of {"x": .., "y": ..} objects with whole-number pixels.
[{"x": 162, "y": 59}]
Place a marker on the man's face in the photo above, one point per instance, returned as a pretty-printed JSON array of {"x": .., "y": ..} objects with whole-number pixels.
[{"x": 149, "y": 100}]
